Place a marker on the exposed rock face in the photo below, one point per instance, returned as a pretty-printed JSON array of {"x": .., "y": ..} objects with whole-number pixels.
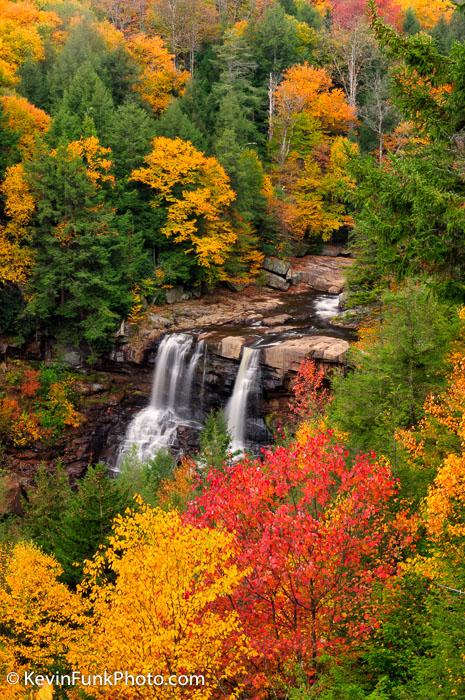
[
  {"x": 277, "y": 266},
  {"x": 287, "y": 355},
  {"x": 275, "y": 281},
  {"x": 322, "y": 273},
  {"x": 230, "y": 347},
  {"x": 11, "y": 495}
]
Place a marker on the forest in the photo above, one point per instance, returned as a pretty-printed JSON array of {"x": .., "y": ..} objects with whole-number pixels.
[{"x": 156, "y": 155}]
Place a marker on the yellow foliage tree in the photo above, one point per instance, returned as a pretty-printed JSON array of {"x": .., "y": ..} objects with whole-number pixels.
[
  {"x": 22, "y": 25},
  {"x": 39, "y": 616},
  {"x": 429, "y": 12},
  {"x": 26, "y": 120},
  {"x": 159, "y": 80},
  {"x": 15, "y": 255},
  {"x": 197, "y": 194},
  {"x": 156, "y": 612},
  {"x": 95, "y": 157}
]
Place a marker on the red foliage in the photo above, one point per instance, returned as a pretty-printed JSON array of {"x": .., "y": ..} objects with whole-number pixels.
[
  {"x": 309, "y": 395},
  {"x": 346, "y": 13},
  {"x": 315, "y": 532},
  {"x": 30, "y": 384}
]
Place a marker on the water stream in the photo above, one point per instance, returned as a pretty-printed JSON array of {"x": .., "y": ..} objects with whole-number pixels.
[
  {"x": 155, "y": 427},
  {"x": 247, "y": 380},
  {"x": 181, "y": 363}
]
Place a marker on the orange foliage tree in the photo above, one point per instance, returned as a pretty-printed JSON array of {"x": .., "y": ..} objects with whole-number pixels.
[
  {"x": 26, "y": 120},
  {"x": 152, "y": 591},
  {"x": 22, "y": 25},
  {"x": 310, "y": 176},
  {"x": 160, "y": 80}
]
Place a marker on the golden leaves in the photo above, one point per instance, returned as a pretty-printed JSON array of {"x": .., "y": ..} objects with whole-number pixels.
[
  {"x": 26, "y": 120},
  {"x": 197, "y": 193},
  {"x": 160, "y": 79},
  {"x": 157, "y": 611}
]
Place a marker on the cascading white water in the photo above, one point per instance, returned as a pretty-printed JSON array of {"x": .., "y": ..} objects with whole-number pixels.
[
  {"x": 236, "y": 409},
  {"x": 327, "y": 306},
  {"x": 155, "y": 427}
]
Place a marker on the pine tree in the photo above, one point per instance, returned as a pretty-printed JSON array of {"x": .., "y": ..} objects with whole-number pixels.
[
  {"x": 174, "y": 123},
  {"x": 128, "y": 154},
  {"x": 86, "y": 520},
  {"x": 411, "y": 24},
  {"x": 86, "y": 256},
  {"x": 86, "y": 97},
  {"x": 215, "y": 440},
  {"x": 46, "y": 500}
]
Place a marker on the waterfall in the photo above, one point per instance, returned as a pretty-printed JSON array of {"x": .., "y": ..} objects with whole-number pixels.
[
  {"x": 155, "y": 427},
  {"x": 236, "y": 409}
]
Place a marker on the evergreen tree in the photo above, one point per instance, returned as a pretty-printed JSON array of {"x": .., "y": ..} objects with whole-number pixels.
[
  {"x": 393, "y": 375},
  {"x": 215, "y": 440},
  {"x": 411, "y": 24},
  {"x": 86, "y": 520},
  {"x": 128, "y": 153},
  {"x": 86, "y": 255},
  {"x": 86, "y": 97},
  {"x": 174, "y": 123},
  {"x": 46, "y": 500}
]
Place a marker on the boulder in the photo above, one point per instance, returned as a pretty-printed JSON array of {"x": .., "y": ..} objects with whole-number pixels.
[
  {"x": 276, "y": 320},
  {"x": 230, "y": 347},
  {"x": 72, "y": 358},
  {"x": 277, "y": 266},
  {"x": 275, "y": 281},
  {"x": 289, "y": 354},
  {"x": 159, "y": 321},
  {"x": 174, "y": 294},
  {"x": 321, "y": 272}
]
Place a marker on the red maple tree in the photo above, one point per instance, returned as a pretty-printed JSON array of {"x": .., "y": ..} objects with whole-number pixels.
[{"x": 316, "y": 533}]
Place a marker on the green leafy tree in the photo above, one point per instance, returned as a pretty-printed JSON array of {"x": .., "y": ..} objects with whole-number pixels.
[{"x": 145, "y": 478}]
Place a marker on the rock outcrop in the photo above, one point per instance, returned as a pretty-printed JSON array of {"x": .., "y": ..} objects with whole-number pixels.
[
  {"x": 287, "y": 355},
  {"x": 322, "y": 273}
]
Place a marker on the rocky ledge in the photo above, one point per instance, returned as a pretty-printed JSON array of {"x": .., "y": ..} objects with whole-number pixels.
[
  {"x": 254, "y": 305},
  {"x": 287, "y": 354}
]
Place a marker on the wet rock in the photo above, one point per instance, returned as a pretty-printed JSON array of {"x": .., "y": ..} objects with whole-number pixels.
[
  {"x": 288, "y": 355},
  {"x": 277, "y": 266},
  {"x": 275, "y": 281}
]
